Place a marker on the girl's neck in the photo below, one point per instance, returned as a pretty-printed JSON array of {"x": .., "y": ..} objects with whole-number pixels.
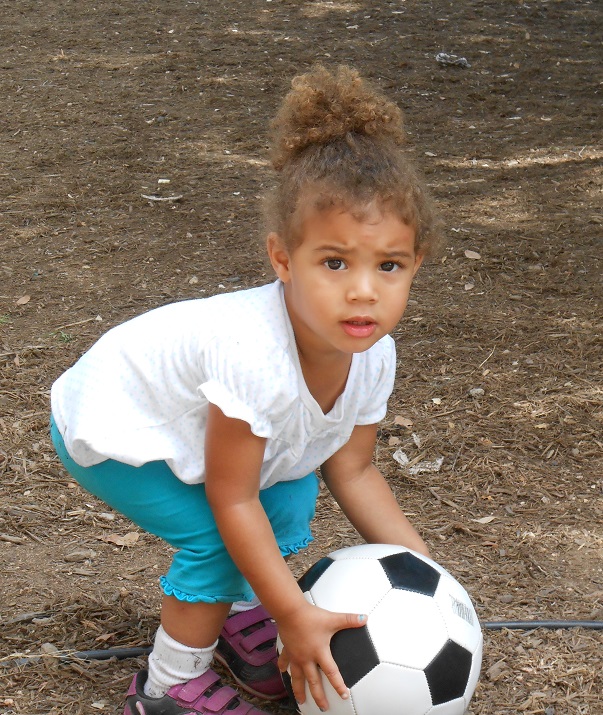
[{"x": 325, "y": 377}]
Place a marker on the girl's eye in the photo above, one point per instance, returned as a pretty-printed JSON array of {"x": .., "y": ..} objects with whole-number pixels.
[
  {"x": 335, "y": 264},
  {"x": 389, "y": 266}
]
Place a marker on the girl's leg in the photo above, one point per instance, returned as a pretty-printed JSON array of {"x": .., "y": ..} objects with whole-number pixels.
[
  {"x": 197, "y": 625},
  {"x": 202, "y": 580},
  {"x": 199, "y": 588},
  {"x": 184, "y": 644}
]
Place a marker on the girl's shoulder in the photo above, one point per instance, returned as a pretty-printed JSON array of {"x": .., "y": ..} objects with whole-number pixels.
[
  {"x": 200, "y": 320},
  {"x": 250, "y": 360}
]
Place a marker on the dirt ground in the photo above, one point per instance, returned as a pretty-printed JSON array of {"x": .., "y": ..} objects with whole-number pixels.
[{"x": 106, "y": 104}]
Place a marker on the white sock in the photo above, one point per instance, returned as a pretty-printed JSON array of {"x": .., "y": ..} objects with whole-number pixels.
[
  {"x": 241, "y": 606},
  {"x": 171, "y": 663}
]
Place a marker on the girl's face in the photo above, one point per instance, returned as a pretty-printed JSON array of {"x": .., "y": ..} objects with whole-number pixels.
[{"x": 348, "y": 279}]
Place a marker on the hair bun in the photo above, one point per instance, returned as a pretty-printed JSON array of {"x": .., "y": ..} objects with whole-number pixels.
[{"x": 324, "y": 107}]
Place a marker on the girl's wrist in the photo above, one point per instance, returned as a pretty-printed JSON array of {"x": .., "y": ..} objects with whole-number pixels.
[{"x": 286, "y": 605}]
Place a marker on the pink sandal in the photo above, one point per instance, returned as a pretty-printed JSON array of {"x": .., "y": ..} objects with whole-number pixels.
[
  {"x": 247, "y": 647},
  {"x": 204, "y": 695}
]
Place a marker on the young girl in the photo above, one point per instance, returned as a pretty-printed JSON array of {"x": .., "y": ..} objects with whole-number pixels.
[{"x": 204, "y": 421}]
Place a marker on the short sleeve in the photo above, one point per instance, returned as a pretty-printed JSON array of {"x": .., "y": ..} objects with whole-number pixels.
[
  {"x": 380, "y": 371},
  {"x": 249, "y": 382}
]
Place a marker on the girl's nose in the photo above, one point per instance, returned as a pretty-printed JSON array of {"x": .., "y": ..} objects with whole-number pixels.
[{"x": 362, "y": 289}]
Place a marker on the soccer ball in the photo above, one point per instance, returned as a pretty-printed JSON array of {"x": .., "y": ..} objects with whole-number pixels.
[{"x": 420, "y": 651}]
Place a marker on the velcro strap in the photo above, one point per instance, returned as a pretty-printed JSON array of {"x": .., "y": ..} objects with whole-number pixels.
[
  {"x": 194, "y": 689},
  {"x": 260, "y": 636},
  {"x": 245, "y": 619},
  {"x": 220, "y": 699}
]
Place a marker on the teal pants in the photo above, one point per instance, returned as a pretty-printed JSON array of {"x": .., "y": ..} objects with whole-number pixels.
[{"x": 158, "y": 502}]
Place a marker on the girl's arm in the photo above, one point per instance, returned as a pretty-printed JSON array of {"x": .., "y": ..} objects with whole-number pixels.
[
  {"x": 365, "y": 497},
  {"x": 233, "y": 459}
]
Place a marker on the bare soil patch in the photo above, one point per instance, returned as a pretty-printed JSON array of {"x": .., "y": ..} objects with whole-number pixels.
[{"x": 500, "y": 354}]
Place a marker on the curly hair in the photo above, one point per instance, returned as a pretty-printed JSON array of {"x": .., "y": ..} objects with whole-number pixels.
[{"x": 337, "y": 141}]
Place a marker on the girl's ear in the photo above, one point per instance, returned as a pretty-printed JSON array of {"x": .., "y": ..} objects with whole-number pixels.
[
  {"x": 418, "y": 260},
  {"x": 279, "y": 257}
]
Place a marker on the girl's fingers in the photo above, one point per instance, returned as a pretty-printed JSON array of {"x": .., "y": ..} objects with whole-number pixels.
[
  {"x": 314, "y": 680},
  {"x": 298, "y": 683},
  {"x": 352, "y": 620},
  {"x": 283, "y": 661},
  {"x": 311, "y": 672},
  {"x": 331, "y": 672}
]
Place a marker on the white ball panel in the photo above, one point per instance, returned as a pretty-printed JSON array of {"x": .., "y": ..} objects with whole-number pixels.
[
  {"x": 392, "y": 690},
  {"x": 337, "y": 705},
  {"x": 407, "y": 629},
  {"x": 351, "y": 586},
  {"x": 308, "y": 596},
  {"x": 366, "y": 551},
  {"x": 453, "y": 707},
  {"x": 476, "y": 666},
  {"x": 458, "y": 612}
]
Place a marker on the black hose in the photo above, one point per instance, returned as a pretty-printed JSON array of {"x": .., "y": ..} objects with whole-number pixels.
[
  {"x": 119, "y": 653},
  {"x": 531, "y": 625},
  {"x": 122, "y": 653}
]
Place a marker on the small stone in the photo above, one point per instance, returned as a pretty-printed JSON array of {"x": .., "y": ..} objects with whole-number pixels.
[{"x": 80, "y": 555}]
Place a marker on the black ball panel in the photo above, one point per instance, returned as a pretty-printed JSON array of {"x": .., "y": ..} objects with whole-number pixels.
[
  {"x": 354, "y": 653},
  {"x": 448, "y": 673},
  {"x": 288, "y": 686},
  {"x": 314, "y": 573},
  {"x": 406, "y": 571}
]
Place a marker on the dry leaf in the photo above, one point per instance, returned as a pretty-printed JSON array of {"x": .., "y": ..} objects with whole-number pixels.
[
  {"x": 105, "y": 637},
  {"x": 428, "y": 465},
  {"x": 403, "y": 421},
  {"x": 401, "y": 457},
  {"x": 484, "y": 520},
  {"x": 497, "y": 670},
  {"x": 473, "y": 255},
  {"x": 23, "y": 300},
  {"x": 49, "y": 649},
  {"x": 129, "y": 539}
]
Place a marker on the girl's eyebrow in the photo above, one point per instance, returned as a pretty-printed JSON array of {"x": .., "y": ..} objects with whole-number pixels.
[
  {"x": 344, "y": 251},
  {"x": 332, "y": 249}
]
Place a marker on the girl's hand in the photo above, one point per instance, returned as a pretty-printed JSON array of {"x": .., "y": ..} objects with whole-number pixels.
[{"x": 306, "y": 635}]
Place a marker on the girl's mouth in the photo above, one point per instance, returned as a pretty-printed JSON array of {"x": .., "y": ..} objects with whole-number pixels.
[{"x": 359, "y": 327}]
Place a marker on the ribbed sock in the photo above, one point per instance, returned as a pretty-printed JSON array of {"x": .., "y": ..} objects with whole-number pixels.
[{"x": 171, "y": 663}]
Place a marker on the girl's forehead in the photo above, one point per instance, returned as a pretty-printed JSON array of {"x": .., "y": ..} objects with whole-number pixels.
[
  {"x": 321, "y": 204},
  {"x": 371, "y": 213},
  {"x": 339, "y": 229}
]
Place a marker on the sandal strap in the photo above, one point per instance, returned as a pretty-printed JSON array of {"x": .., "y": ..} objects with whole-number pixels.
[
  {"x": 195, "y": 694},
  {"x": 265, "y": 633},
  {"x": 218, "y": 701},
  {"x": 245, "y": 619},
  {"x": 194, "y": 689}
]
